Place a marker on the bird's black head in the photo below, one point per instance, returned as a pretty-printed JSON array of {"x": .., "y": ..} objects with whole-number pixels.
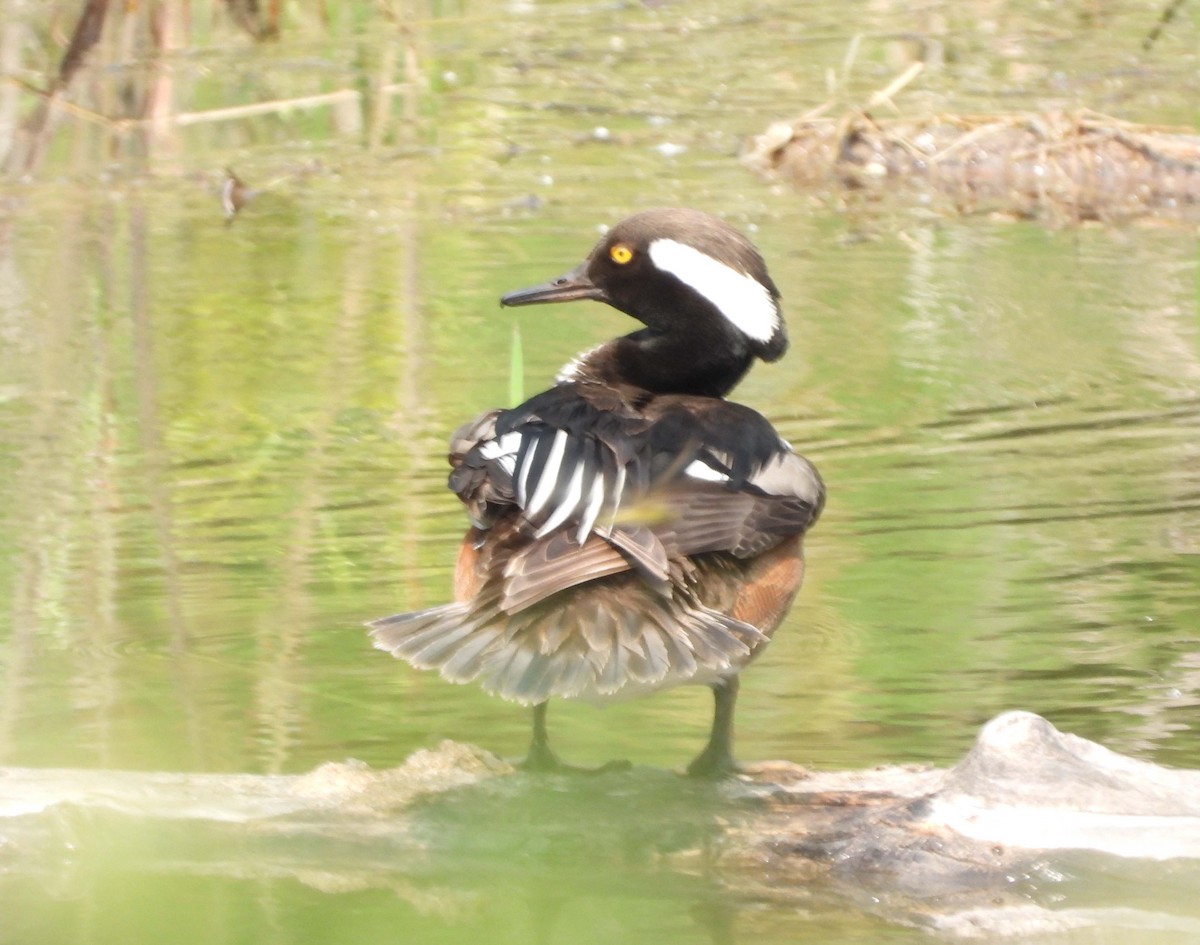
[{"x": 698, "y": 284}]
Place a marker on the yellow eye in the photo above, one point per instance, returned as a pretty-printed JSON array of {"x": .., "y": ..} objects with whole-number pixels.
[{"x": 620, "y": 254}]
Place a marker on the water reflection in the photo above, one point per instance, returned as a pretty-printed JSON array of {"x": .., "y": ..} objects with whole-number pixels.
[{"x": 224, "y": 447}]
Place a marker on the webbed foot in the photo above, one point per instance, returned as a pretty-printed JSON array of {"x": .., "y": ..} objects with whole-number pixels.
[{"x": 542, "y": 759}]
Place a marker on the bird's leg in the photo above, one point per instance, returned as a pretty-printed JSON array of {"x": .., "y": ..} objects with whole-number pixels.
[
  {"x": 541, "y": 756},
  {"x": 716, "y": 761}
]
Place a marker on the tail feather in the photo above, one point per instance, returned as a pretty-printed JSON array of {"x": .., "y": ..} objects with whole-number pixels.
[
  {"x": 407, "y": 636},
  {"x": 718, "y": 639},
  {"x": 502, "y": 674},
  {"x": 576, "y": 672},
  {"x": 677, "y": 648},
  {"x": 604, "y": 655},
  {"x": 466, "y": 663},
  {"x": 438, "y": 650},
  {"x": 614, "y": 675},
  {"x": 656, "y": 664},
  {"x": 541, "y": 676}
]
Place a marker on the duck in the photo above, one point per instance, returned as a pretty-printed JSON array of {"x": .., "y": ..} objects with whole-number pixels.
[
  {"x": 631, "y": 529},
  {"x": 234, "y": 194}
]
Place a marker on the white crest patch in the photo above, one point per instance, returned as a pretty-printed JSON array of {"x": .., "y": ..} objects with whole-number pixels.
[{"x": 742, "y": 299}]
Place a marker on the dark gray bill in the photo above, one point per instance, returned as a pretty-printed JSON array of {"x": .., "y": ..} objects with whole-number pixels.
[{"x": 573, "y": 285}]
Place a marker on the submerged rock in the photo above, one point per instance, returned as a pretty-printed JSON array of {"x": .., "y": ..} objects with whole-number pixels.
[{"x": 961, "y": 850}]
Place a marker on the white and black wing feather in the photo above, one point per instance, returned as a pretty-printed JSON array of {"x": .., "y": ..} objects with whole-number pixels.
[{"x": 718, "y": 479}]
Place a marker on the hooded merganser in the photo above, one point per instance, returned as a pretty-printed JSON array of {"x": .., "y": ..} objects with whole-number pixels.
[{"x": 631, "y": 530}]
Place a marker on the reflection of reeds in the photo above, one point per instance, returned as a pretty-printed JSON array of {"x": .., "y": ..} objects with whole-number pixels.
[
  {"x": 409, "y": 411},
  {"x": 98, "y": 675},
  {"x": 66, "y": 484},
  {"x": 143, "y": 88},
  {"x": 286, "y": 625},
  {"x": 157, "y": 469},
  {"x": 29, "y": 143},
  {"x": 156, "y": 458}
]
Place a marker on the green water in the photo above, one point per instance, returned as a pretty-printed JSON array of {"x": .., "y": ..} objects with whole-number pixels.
[{"x": 223, "y": 448}]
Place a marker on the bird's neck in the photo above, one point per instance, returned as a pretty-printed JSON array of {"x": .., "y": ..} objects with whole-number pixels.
[{"x": 665, "y": 363}]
